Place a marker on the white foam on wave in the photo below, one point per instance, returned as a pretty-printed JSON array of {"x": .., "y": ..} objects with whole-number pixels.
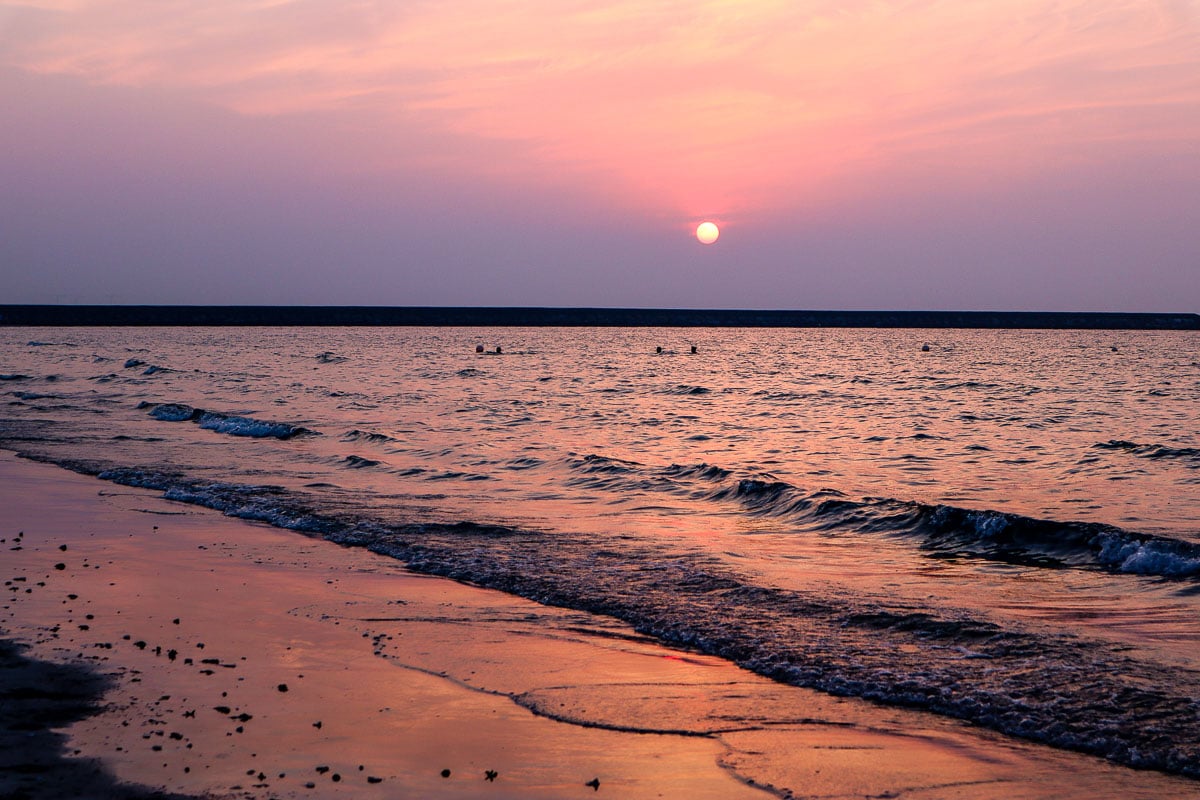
[
  {"x": 246, "y": 426},
  {"x": 1151, "y": 557},
  {"x": 231, "y": 424}
]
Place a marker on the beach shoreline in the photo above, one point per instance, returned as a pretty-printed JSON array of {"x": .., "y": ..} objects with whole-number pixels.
[{"x": 241, "y": 659}]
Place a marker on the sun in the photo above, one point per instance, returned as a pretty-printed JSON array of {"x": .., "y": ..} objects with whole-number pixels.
[{"x": 707, "y": 232}]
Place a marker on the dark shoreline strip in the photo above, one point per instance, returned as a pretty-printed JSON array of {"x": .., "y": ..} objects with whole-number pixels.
[
  {"x": 37, "y": 697},
  {"x": 296, "y": 316}
]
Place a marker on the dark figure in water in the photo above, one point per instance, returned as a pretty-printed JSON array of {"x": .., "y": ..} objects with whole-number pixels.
[
  {"x": 693, "y": 349},
  {"x": 658, "y": 350},
  {"x": 498, "y": 350},
  {"x": 924, "y": 348},
  {"x": 478, "y": 348}
]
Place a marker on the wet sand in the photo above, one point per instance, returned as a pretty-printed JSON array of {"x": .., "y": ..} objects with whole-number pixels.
[{"x": 237, "y": 660}]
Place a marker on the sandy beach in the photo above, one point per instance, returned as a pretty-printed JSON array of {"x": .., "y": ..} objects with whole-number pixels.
[{"x": 232, "y": 659}]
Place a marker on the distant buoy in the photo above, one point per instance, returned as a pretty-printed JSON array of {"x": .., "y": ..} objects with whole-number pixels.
[
  {"x": 498, "y": 350},
  {"x": 478, "y": 348},
  {"x": 924, "y": 348}
]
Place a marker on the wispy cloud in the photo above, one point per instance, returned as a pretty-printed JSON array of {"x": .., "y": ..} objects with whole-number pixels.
[{"x": 700, "y": 106}]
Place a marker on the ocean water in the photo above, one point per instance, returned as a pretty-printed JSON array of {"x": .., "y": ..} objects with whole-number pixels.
[{"x": 1003, "y": 528}]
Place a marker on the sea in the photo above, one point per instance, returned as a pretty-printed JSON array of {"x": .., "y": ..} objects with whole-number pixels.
[{"x": 999, "y": 526}]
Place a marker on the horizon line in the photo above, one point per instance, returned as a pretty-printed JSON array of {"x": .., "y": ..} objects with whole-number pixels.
[{"x": 143, "y": 315}]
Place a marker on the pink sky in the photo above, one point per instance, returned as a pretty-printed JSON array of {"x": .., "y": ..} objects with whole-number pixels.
[{"x": 1017, "y": 155}]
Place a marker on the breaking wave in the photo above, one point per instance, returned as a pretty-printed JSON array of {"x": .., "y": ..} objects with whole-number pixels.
[
  {"x": 230, "y": 424},
  {"x": 941, "y": 530}
]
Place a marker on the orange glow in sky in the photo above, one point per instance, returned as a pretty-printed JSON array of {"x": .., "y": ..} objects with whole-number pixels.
[{"x": 685, "y": 109}]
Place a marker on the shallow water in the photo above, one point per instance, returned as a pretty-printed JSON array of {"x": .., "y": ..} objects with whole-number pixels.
[{"x": 1004, "y": 528}]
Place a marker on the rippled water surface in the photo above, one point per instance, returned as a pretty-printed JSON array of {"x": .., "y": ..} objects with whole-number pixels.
[{"x": 1004, "y": 527}]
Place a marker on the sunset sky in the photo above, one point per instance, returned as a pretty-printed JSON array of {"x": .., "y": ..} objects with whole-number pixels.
[{"x": 957, "y": 154}]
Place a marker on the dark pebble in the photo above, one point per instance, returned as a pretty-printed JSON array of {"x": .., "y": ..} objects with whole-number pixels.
[
  {"x": 445, "y": 773},
  {"x": 282, "y": 687},
  {"x": 60, "y": 565}
]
